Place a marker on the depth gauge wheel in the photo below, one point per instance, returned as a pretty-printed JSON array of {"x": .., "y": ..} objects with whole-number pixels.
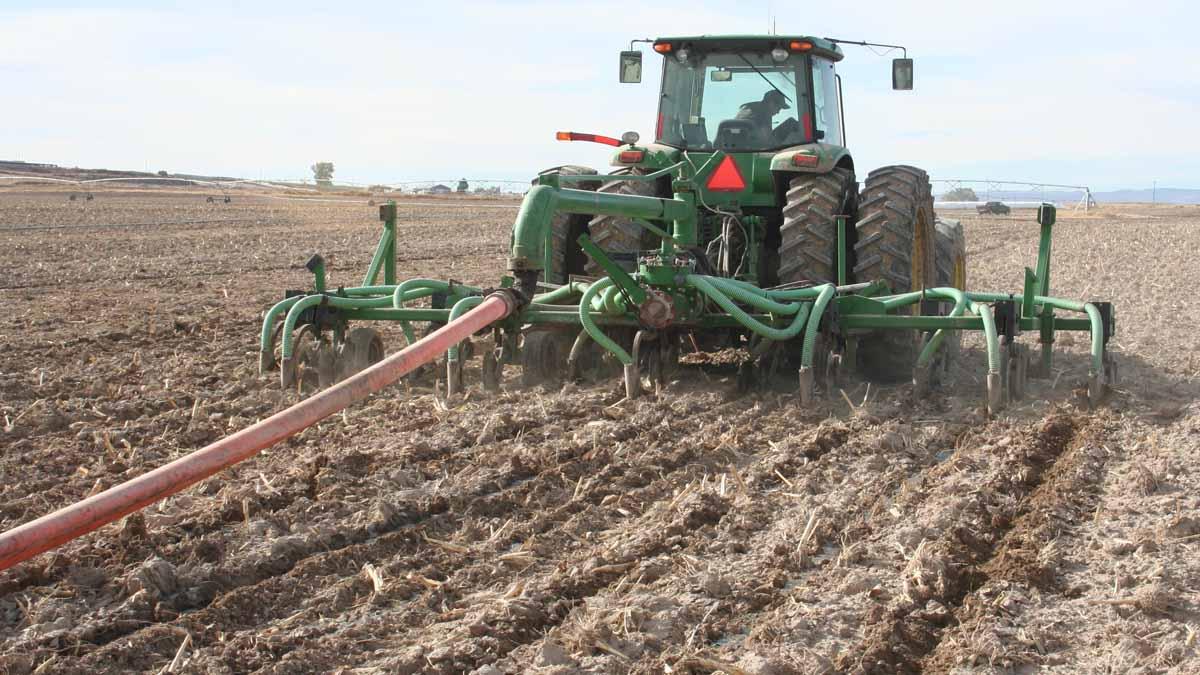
[
  {"x": 363, "y": 348},
  {"x": 544, "y": 356},
  {"x": 301, "y": 371}
]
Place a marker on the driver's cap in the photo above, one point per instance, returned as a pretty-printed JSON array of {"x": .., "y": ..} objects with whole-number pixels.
[{"x": 775, "y": 96}]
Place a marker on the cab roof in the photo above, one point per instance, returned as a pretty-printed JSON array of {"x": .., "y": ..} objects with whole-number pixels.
[{"x": 821, "y": 46}]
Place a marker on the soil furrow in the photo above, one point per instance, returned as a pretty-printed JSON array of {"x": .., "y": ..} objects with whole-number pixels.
[
  {"x": 581, "y": 512},
  {"x": 502, "y": 495},
  {"x": 942, "y": 571}
]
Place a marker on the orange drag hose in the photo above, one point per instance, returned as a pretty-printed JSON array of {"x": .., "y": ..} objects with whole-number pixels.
[{"x": 51, "y": 530}]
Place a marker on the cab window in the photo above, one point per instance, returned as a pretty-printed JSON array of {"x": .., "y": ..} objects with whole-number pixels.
[
  {"x": 722, "y": 100},
  {"x": 825, "y": 102}
]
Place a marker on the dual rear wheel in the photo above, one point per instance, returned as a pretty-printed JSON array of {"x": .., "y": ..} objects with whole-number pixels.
[{"x": 891, "y": 235}]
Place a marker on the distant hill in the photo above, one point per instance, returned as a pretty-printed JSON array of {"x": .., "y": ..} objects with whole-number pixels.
[
  {"x": 1161, "y": 196},
  {"x": 34, "y": 170}
]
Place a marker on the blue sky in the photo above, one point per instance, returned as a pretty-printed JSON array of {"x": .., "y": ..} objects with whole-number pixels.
[{"x": 1097, "y": 93}]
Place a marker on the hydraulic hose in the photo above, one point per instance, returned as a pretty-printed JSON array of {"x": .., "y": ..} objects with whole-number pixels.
[{"x": 49, "y": 531}]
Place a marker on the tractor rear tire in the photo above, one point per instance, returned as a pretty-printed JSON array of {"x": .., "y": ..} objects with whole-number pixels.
[
  {"x": 895, "y": 243},
  {"x": 950, "y": 262},
  {"x": 618, "y": 236},
  {"x": 808, "y": 246},
  {"x": 950, "y": 253},
  {"x": 567, "y": 258}
]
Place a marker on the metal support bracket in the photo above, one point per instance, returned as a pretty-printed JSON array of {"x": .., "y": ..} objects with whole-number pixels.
[
  {"x": 634, "y": 293},
  {"x": 1007, "y": 324},
  {"x": 1107, "y": 318}
]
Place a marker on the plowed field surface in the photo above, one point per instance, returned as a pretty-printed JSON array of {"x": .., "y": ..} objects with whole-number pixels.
[{"x": 562, "y": 530}]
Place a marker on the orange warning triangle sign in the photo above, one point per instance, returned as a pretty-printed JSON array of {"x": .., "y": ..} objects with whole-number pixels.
[{"x": 727, "y": 177}]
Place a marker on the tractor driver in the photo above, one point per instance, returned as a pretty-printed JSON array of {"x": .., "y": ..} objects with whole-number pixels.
[{"x": 760, "y": 113}]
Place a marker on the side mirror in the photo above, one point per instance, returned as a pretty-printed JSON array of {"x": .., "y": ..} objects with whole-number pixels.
[
  {"x": 902, "y": 74},
  {"x": 631, "y": 67}
]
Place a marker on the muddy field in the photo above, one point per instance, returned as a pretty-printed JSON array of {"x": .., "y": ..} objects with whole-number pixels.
[{"x": 562, "y": 531}]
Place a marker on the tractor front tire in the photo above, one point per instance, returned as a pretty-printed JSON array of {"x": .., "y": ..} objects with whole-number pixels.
[
  {"x": 619, "y": 236},
  {"x": 567, "y": 258},
  {"x": 895, "y": 243},
  {"x": 808, "y": 246}
]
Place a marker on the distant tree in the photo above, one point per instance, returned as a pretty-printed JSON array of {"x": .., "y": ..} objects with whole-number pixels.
[
  {"x": 960, "y": 194},
  {"x": 163, "y": 174},
  {"x": 323, "y": 173}
]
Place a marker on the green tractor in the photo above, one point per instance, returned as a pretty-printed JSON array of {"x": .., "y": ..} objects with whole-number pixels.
[
  {"x": 741, "y": 226},
  {"x": 767, "y": 213}
]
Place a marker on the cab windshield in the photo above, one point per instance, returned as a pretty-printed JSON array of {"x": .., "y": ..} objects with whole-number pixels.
[{"x": 738, "y": 101}]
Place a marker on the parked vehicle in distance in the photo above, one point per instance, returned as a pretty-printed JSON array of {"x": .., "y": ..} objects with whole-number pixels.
[{"x": 998, "y": 208}]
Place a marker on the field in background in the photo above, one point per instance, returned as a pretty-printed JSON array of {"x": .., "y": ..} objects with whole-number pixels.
[{"x": 701, "y": 530}]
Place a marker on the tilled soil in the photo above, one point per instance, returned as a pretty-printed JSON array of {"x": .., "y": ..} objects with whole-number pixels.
[{"x": 568, "y": 530}]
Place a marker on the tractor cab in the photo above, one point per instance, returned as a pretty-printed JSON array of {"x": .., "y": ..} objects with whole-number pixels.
[{"x": 748, "y": 94}]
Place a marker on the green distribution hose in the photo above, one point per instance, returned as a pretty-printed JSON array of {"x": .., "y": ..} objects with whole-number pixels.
[
  {"x": 461, "y": 307},
  {"x": 604, "y": 297},
  {"x": 401, "y": 295},
  {"x": 989, "y": 333},
  {"x": 589, "y": 325},
  {"x": 296, "y": 306},
  {"x": 561, "y": 293},
  {"x": 610, "y": 300},
  {"x": 1093, "y": 313},
  {"x": 401, "y": 290},
  {"x": 984, "y": 312},
  {"x": 284, "y": 305},
  {"x": 756, "y": 299},
  {"x": 754, "y": 296},
  {"x": 814, "y": 324},
  {"x": 269, "y": 321},
  {"x": 703, "y": 285},
  {"x": 947, "y": 293}
]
